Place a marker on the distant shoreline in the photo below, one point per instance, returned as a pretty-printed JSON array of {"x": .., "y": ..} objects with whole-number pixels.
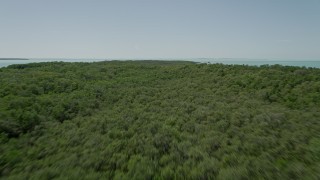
[{"x": 13, "y": 59}]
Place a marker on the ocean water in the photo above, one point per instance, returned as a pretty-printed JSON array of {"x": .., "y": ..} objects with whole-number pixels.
[
  {"x": 5, "y": 63},
  {"x": 251, "y": 62}
]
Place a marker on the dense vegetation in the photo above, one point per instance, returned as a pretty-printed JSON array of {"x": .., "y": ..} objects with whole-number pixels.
[{"x": 159, "y": 120}]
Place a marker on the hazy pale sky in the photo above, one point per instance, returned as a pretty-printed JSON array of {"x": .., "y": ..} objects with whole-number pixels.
[{"x": 285, "y": 29}]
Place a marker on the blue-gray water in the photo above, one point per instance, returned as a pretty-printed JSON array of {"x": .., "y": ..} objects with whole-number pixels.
[
  {"x": 253, "y": 62},
  {"x": 4, "y": 63}
]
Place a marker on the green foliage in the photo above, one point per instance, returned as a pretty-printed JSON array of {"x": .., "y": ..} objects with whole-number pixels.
[{"x": 159, "y": 120}]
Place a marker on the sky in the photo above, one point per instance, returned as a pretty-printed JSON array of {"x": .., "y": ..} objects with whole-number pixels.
[{"x": 264, "y": 29}]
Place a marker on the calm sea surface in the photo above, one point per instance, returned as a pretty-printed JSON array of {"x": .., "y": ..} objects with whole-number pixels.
[
  {"x": 252, "y": 62},
  {"x": 4, "y": 63}
]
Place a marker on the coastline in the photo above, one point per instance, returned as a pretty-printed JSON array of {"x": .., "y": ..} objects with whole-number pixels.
[{"x": 13, "y": 59}]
